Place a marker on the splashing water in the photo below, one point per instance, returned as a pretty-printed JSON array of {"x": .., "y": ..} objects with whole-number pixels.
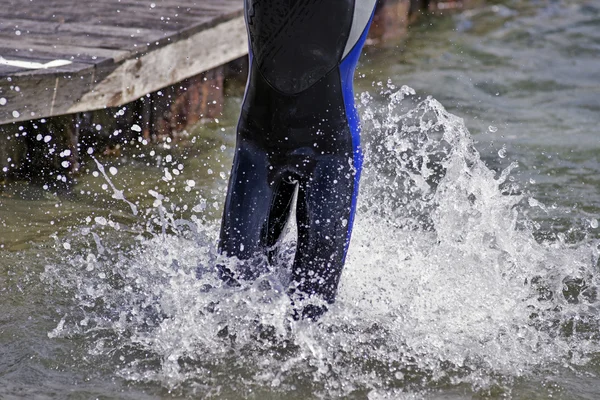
[{"x": 444, "y": 284}]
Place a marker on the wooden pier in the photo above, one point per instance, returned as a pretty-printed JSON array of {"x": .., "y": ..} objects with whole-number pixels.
[
  {"x": 67, "y": 56},
  {"x": 68, "y": 67}
]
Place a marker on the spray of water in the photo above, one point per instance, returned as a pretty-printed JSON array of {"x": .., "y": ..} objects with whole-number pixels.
[{"x": 444, "y": 284}]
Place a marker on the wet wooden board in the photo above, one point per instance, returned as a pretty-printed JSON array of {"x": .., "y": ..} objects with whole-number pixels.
[{"x": 112, "y": 51}]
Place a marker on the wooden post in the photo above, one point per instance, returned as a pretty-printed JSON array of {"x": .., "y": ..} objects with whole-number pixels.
[
  {"x": 446, "y": 5},
  {"x": 417, "y": 8},
  {"x": 391, "y": 20},
  {"x": 12, "y": 151},
  {"x": 50, "y": 155}
]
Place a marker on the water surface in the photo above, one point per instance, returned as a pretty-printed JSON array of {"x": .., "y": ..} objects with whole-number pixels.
[{"x": 473, "y": 271}]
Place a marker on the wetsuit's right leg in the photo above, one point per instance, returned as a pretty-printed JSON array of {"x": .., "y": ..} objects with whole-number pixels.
[
  {"x": 256, "y": 210},
  {"x": 246, "y": 208}
]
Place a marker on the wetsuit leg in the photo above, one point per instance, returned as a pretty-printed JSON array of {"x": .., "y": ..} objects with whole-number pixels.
[
  {"x": 298, "y": 119},
  {"x": 257, "y": 207},
  {"x": 323, "y": 216}
]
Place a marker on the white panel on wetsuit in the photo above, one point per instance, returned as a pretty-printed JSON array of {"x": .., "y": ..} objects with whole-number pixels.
[{"x": 363, "y": 10}]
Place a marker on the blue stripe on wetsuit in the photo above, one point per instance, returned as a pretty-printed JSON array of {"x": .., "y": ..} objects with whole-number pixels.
[{"x": 347, "y": 68}]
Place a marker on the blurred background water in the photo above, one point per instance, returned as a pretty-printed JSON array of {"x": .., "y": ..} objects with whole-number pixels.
[{"x": 473, "y": 271}]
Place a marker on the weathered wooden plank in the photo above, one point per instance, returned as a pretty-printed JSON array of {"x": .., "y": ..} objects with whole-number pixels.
[
  {"x": 21, "y": 66},
  {"x": 168, "y": 65},
  {"x": 64, "y": 51},
  {"x": 103, "y": 18},
  {"x": 69, "y": 34},
  {"x": 33, "y": 7},
  {"x": 27, "y": 26},
  {"x": 131, "y": 14},
  {"x": 38, "y": 95},
  {"x": 104, "y": 40},
  {"x": 50, "y": 93},
  {"x": 119, "y": 50},
  {"x": 44, "y": 56},
  {"x": 8, "y": 70}
]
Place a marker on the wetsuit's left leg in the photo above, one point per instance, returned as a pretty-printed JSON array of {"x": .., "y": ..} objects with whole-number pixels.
[{"x": 324, "y": 211}]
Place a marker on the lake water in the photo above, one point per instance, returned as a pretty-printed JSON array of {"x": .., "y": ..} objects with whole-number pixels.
[{"x": 473, "y": 270}]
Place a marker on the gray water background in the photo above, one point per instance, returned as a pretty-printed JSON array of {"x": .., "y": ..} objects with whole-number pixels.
[{"x": 524, "y": 76}]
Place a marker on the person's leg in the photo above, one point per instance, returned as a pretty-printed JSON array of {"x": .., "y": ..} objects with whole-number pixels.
[
  {"x": 256, "y": 210},
  {"x": 245, "y": 213},
  {"x": 324, "y": 216}
]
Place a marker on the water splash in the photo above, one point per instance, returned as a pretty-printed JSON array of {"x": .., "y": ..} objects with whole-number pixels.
[
  {"x": 117, "y": 194},
  {"x": 445, "y": 284}
]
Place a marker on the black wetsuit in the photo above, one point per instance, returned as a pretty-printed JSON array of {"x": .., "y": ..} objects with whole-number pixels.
[{"x": 298, "y": 129}]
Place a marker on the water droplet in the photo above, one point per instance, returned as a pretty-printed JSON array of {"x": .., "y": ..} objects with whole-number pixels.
[
  {"x": 502, "y": 152},
  {"x": 2, "y": 101},
  {"x": 65, "y": 164},
  {"x": 16, "y": 114},
  {"x": 492, "y": 129},
  {"x": 100, "y": 220},
  {"x": 136, "y": 128},
  {"x": 112, "y": 170},
  {"x": 67, "y": 245},
  {"x": 594, "y": 223}
]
